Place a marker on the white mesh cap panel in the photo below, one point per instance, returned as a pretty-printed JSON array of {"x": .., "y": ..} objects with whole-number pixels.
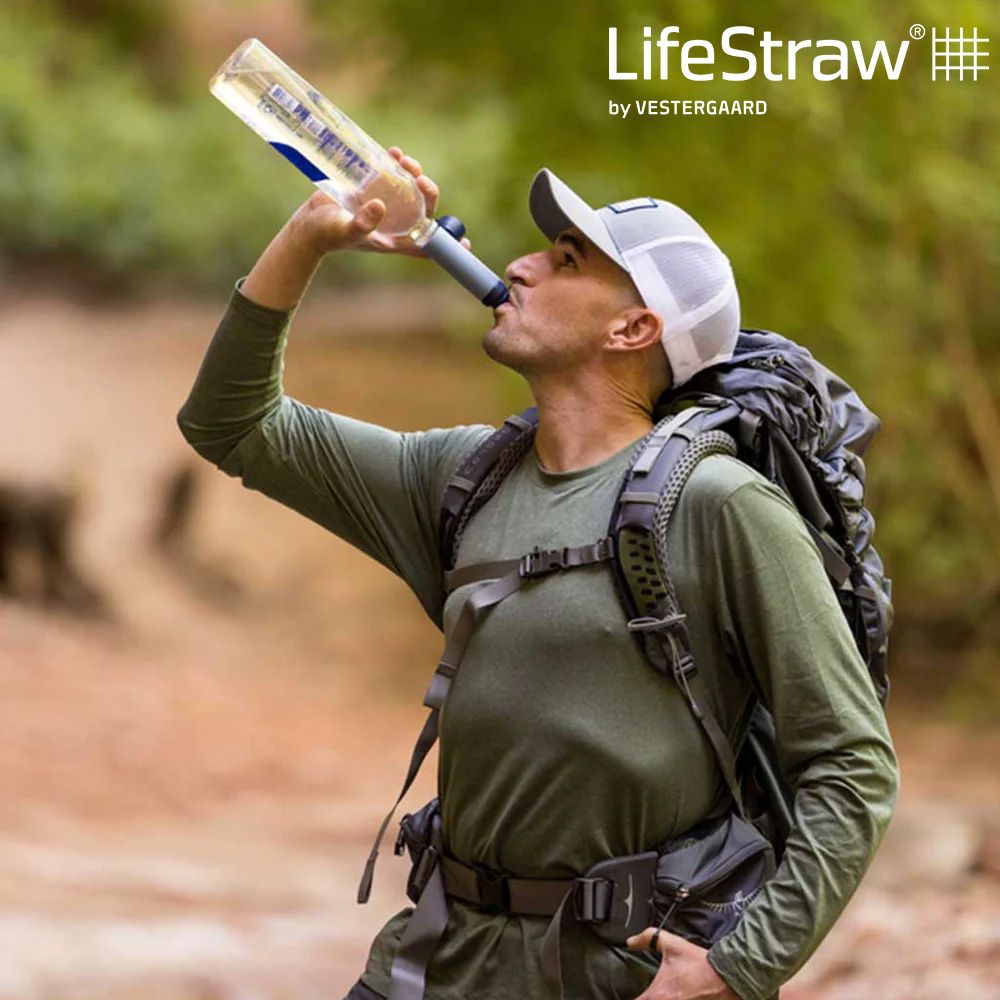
[{"x": 688, "y": 281}]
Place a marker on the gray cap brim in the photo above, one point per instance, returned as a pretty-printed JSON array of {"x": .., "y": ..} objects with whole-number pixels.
[{"x": 555, "y": 206}]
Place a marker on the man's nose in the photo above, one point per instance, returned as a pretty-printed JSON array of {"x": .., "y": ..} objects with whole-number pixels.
[{"x": 523, "y": 270}]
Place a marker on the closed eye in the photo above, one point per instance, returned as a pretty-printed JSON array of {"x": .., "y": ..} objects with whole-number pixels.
[{"x": 569, "y": 260}]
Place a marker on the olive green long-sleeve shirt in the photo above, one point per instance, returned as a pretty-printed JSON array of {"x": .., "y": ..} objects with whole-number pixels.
[{"x": 559, "y": 744}]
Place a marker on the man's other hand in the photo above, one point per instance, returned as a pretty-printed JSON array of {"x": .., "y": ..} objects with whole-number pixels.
[{"x": 684, "y": 973}]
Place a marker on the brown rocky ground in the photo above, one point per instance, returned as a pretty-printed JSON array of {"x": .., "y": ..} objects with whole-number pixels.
[{"x": 188, "y": 791}]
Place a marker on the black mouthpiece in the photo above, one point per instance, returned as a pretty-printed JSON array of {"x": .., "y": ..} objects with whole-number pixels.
[
  {"x": 452, "y": 225},
  {"x": 496, "y": 296}
]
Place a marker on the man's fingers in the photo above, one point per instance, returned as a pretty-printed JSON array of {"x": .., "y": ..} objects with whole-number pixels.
[
  {"x": 640, "y": 941},
  {"x": 430, "y": 192},
  {"x": 666, "y": 943},
  {"x": 411, "y": 165}
]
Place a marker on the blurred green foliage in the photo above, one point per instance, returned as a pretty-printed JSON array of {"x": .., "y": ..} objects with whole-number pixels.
[
  {"x": 99, "y": 171},
  {"x": 861, "y": 216}
]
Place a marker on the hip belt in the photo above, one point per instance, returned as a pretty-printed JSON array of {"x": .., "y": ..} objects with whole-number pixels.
[{"x": 697, "y": 886}]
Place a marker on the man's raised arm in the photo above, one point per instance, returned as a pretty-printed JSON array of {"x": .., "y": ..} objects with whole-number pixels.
[{"x": 377, "y": 488}]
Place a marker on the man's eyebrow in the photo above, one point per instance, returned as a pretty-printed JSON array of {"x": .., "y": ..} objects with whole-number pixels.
[{"x": 577, "y": 244}]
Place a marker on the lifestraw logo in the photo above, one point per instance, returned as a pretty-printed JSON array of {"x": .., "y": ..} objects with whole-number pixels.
[
  {"x": 744, "y": 55},
  {"x": 959, "y": 54}
]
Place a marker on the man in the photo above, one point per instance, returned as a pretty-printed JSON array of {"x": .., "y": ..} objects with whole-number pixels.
[{"x": 559, "y": 745}]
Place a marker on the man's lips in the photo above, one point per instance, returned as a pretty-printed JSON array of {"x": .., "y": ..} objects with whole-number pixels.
[{"x": 510, "y": 302}]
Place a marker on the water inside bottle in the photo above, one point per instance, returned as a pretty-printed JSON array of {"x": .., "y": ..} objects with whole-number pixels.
[{"x": 341, "y": 159}]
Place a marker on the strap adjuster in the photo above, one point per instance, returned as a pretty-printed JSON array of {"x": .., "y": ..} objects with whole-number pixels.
[
  {"x": 649, "y": 623},
  {"x": 592, "y": 899},
  {"x": 538, "y": 562},
  {"x": 493, "y": 890}
]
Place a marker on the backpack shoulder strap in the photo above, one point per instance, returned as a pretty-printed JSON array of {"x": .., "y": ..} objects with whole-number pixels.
[
  {"x": 647, "y": 498},
  {"x": 479, "y": 476}
]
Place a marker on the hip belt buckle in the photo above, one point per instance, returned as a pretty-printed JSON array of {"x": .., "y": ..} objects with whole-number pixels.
[
  {"x": 592, "y": 899},
  {"x": 494, "y": 891}
]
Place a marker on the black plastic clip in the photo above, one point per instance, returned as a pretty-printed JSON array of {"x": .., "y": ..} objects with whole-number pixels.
[
  {"x": 538, "y": 562},
  {"x": 493, "y": 890},
  {"x": 592, "y": 899}
]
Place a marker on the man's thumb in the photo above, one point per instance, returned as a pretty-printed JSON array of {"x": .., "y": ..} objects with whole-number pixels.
[{"x": 369, "y": 215}]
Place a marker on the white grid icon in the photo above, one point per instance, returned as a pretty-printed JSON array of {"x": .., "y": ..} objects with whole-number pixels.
[{"x": 959, "y": 54}]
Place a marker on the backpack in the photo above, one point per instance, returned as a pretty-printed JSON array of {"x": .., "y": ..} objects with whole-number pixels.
[{"x": 775, "y": 407}]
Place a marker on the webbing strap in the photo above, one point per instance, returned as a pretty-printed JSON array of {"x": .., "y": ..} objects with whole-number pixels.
[
  {"x": 837, "y": 567},
  {"x": 420, "y": 940},
  {"x": 538, "y": 562},
  {"x": 669, "y": 655},
  {"x": 529, "y": 566},
  {"x": 551, "y": 960},
  {"x": 565, "y": 900},
  {"x": 534, "y": 896},
  {"x": 455, "y": 578},
  {"x": 477, "y": 601},
  {"x": 697, "y": 695}
]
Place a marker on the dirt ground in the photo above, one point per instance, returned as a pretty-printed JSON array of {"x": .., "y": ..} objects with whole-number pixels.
[{"x": 188, "y": 790}]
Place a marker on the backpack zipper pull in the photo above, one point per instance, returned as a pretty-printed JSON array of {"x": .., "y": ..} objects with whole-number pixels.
[{"x": 680, "y": 895}]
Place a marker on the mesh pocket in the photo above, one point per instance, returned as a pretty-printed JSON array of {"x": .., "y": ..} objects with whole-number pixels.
[{"x": 706, "y": 878}]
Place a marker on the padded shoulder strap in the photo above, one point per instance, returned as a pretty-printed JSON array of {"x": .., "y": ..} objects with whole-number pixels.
[
  {"x": 654, "y": 466},
  {"x": 645, "y": 503},
  {"x": 465, "y": 486}
]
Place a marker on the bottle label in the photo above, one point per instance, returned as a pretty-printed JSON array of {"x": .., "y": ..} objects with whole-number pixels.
[{"x": 298, "y": 118}]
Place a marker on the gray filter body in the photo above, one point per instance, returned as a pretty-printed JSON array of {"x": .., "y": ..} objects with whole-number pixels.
[{"x": 465, "y": 267}]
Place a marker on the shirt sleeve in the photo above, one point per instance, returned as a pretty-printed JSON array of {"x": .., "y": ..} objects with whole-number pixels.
[
  {"x": 378, "y": 489},
  {"x": 780, "y": 615}
]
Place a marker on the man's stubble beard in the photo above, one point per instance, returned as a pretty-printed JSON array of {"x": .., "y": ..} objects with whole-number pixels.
[{"x": 499, "y": 347}]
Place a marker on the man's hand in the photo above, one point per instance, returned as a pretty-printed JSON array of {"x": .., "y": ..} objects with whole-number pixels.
[
  {"x": 325, "y": 226},
  {"x": 283, "y": 272},
  {"x": 684, "y": 970}
]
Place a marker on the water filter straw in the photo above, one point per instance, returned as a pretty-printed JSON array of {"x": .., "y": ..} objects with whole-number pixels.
[{"x": 342, "y": 160}]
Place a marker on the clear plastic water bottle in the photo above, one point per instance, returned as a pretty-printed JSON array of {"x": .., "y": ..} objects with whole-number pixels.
[{"x": 342, "y": 160}]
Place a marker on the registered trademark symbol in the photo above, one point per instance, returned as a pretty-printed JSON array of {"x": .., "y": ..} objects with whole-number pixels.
[{"x": 917, "y": 31}]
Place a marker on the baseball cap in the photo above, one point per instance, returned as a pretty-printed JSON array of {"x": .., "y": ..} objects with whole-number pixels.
[{"x": 677, "y": 269}]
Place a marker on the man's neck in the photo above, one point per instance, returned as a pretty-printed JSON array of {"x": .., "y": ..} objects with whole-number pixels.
[{"x": 577, "y": 430}]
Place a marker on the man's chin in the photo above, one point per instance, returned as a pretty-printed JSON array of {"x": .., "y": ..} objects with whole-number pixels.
[{"x": 497, "y": 344}]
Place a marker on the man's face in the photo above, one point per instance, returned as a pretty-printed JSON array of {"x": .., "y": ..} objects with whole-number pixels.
[{"x": 562, "y": 300}]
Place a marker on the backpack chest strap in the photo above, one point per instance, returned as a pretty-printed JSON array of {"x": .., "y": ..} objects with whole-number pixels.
[{"x": 538, "y": 562}]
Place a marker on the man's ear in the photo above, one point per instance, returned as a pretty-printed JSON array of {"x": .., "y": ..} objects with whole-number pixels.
[{"x": 634, "y": 329}]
